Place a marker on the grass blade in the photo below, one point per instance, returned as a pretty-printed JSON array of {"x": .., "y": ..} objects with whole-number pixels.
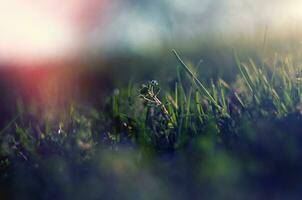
[{"x": 196, "y": 80}]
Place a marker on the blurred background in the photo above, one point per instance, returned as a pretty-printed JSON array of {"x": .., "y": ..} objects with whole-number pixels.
[{"x": 36, "y": 30}]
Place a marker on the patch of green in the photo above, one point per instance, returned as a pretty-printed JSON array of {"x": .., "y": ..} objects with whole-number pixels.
[
  {"x": 218, "y": 134},
  {"x": 160, "y": 121}
]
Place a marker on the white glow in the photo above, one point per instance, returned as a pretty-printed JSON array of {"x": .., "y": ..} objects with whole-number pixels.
[{"x": 35, "y": 29}]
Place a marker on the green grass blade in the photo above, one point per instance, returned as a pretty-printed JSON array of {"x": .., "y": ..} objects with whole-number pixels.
[{"x": 196, "y": 80}]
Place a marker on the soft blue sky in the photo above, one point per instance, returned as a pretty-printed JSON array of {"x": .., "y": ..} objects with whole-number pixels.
[
  {"x": 53, "y": 28},
  {"x": 140, "y": 24}
]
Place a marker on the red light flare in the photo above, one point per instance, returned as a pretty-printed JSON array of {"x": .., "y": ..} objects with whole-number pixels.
[
  {"x": 48, "y": 85},
  {"x": 48, "y": 79}
]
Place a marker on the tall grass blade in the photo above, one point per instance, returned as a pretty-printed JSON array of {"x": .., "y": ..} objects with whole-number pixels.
[{"x": 196, "y": 80}]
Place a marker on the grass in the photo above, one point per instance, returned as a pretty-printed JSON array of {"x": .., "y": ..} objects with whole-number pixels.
[
  {"x": 218, "y": 137},
  {"x": 269, "y": 93}
]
